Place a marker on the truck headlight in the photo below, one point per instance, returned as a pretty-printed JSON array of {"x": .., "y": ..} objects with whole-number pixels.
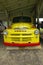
[
  {"x": 5, "y": 32},
  {"x": 36, "y": 32}
]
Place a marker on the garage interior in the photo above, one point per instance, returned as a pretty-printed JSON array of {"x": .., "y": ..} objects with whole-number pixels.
[{"x": 13, "y": 8}]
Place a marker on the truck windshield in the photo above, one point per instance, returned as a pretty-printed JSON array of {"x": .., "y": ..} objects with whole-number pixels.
[{"x": 21, "y": 19}]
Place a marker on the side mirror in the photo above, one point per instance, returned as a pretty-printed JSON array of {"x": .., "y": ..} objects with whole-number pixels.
[
  {"x": 5, "y": 27},
  {"x": 41, "y": 24}
]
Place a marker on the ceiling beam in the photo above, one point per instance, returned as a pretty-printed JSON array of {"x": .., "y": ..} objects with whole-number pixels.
[
  {"x": 19, "y": 3},
  {"x": 21, "y": 8}
]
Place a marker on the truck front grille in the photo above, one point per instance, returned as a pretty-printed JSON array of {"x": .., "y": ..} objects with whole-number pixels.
[{"x": 21, "y": 37}]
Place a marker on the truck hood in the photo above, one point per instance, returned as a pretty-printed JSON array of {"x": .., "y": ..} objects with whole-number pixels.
[{"x": 21, "y": 25}]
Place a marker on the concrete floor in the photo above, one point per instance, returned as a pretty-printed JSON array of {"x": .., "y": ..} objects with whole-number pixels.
[{"x": 20, "y": 57}]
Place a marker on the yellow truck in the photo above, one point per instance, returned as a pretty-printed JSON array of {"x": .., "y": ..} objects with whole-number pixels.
[{"x": 22, "y": 33}]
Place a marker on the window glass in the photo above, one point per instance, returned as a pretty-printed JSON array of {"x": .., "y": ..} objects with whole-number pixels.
[{"x": 21, "y": 19}]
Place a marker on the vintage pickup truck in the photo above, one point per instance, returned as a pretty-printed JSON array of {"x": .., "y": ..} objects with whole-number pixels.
[{"x": 22, "y": 32}]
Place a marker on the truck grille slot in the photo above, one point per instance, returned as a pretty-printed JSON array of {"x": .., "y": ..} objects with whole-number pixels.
[
  {"x": 26, "y": 34},
  {"x": 15, "y": 34},
  {"x": 26, "y": 39},
  {"x": 15, "y": 39}
]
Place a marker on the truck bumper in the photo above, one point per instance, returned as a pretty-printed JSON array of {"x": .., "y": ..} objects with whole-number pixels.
[{"x": 21, "y": 44}]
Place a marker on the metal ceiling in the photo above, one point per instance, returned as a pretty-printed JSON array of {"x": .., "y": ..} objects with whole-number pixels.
[
  {"x": 16, "y": 7},
  {"x": 15, "y": 4}
]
